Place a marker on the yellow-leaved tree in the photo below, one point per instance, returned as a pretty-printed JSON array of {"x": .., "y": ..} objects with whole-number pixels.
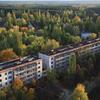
[{"x": 79, "y": 93}]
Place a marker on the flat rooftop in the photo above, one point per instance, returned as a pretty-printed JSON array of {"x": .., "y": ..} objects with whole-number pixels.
[
  {"x": 18, "y": 61},
  {"x": 69, "y": 47}
]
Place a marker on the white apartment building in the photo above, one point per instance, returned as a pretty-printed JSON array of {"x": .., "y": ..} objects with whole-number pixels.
[
  {"x": 29, "y": 70},
  {"x": 56, "y": 61},
  {"x": 6, "y": 77},
  {"x": 59, "y": 58},
  {"x": 26, "y": 68}
]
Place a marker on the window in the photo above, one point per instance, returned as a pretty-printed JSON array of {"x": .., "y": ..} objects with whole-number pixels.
[
  {"x": 51, "y": 58},
  {"x": 21, "y": 69},
  {"x": 0, "y": 80},
  {"x": 27, "y": 72},
  {"x": 38, "y": 62},
  {"x": 10, "y": 82},
  {"x": 16, "y": 74},
  {"x": 6, "y": 83},
  {"x": 5, "y": 73},
  {"x": 0, "y": 75},
  {"x": 35, "y": 64},
  {"x": 10, "y": 72},
  {"x": 38, "y": 67},
  {"x": 39, "y": 75},
  {"x": 6, "y": 78},
  {"x": 30, "y": 66},
  {"x": 29, "y": 75},
  {"x": 33, "y": 73},
  {"x": 21, "y": 73},
  {"x": 39, "y": 71},
  {"x": 51, "y": 66},
  {"x": 0, "y": 85},
  {"x": 52, "y": 62},
  {"x": 10, "y": 77}
]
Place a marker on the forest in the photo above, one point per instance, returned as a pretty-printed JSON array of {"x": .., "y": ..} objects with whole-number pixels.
[{"x": 28, "y": 31}]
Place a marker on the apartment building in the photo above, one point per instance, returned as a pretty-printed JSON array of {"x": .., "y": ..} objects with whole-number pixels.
[
  {"x": 59, "y": 58},
  {"x": 26, "y": 68},
  {"x": 29, "y": 69},
  {"x": 6, "y": 73}
]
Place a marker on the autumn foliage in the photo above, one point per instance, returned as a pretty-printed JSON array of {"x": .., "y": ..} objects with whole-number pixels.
[
  {"x": 8, "y": 54},
  {"x": 18, "y": 84},
  {"x": 79, "y": 93}
]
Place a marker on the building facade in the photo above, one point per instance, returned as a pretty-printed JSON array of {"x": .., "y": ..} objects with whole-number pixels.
[
  {"x": 59, "y": 58},
  {"x": 27, "y": 69},
  {"x": 6, "y": 77}
]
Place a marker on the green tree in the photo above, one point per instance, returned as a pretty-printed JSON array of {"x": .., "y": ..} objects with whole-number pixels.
[
  {"x": 72, "y": 64},
  {"x": 52, "y": 44},
  {"x": 25, "y": 16},
  {"x": 76, "y": 30},
  {"x": 76, "y": 39},
  {"x": 14, "y": 18},
  {"x": 98, "y": 24},
  {"x": 52, "y": 76},
  {"x": 9, "y": 22},
  {"x": 89, "y": 25},
  {"x": 15, "y": 40}
]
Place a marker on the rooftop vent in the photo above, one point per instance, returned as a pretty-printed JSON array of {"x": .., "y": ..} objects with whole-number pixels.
[
  {"x": 52, "y": 50},
  {"x": 30, "y": 59}
]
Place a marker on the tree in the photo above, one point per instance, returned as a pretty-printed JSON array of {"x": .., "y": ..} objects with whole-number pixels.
[
  {"x": 98, "y": 24},
  {"x": 2, "y": 95},
  {"x": 72, "y": 64},
  {"x": 9, "y": 22},
  {"x": 31, "y": 94},
  {"x": 14, "y": 18},
  {"x": 76, "y": 39},
  {"x": 18, "y": 84},
  {"x": 76, "y": 30},
  {"x": 37, "y": 44},
  {"x": 79, "y": 93},
  {"x": 25, "y": 16},
  {"x": 57, "y": 31},
  {"x": 21, "y": 22},
  {"x": 52, "y": 44},
  {"x": 7, "y": 54},
  {"x": 89, "y": 25},
  {"x": 52, "y": 76},
  {"x": 93, "y": 36},
  {"x": 23, "y": 49},
  {"x": 15, "y": 40},
  {"x": 76, "y": 20},
  {"x": 34, "y": 83},
  {"x": 68, "y": 28}
]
